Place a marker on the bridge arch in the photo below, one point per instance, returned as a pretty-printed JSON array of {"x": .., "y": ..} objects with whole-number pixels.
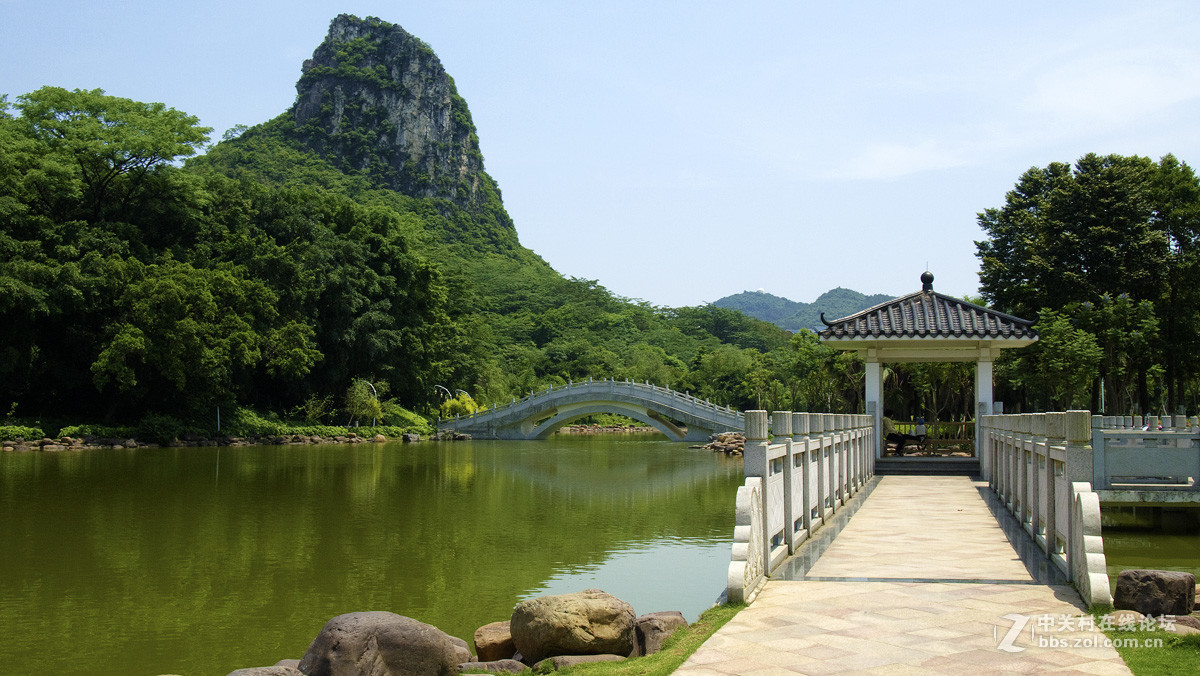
[
  {"x": 565, "y": 415},
  {"x": 677, "y": 415}
]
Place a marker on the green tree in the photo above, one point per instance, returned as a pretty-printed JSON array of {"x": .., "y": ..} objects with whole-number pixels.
[
  {"x": 1112, "y": 243},
  {"x": 1059, "y": 369},
  {"x": 363, "y": 401},
  {"x": 107, "y": 145}
]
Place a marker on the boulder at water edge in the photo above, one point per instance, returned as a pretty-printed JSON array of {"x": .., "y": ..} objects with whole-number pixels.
[
  {"x": 590, "y": 622},
  {"x": 382, "y": 644},
  {"x": 559, "y": 662},
  {"x": 267, "y": 671},
  {"x": 654, "y": 628},
  {"x": 494, "y": 642},
  {"x": 496, "y": 666},
  {"x": 1155, "y": 592}
]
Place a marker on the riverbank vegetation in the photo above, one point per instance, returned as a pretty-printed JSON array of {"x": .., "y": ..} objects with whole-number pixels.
[
  {"x": 261, "y": 277},
  {"x": 136, "y": 288}
]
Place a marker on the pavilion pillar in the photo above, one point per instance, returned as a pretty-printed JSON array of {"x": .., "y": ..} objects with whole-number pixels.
[
  {"x": 873, "y": 383},
  {"x": 983, "y": 397}
]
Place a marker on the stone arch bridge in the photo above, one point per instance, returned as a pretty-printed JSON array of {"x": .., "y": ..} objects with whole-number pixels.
[{"x": 678, "y": 415}]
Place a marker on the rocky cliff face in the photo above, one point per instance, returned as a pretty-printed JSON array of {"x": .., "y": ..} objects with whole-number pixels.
[{"x": 375, "y": 99}]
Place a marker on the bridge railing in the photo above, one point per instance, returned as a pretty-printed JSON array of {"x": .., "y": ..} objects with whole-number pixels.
[
  {"x": 684, "y": 401},
  {"x": 1052, "y": 470},
  {"x": 794, "y": 482},
  {"x": 1147, "y": 453}
]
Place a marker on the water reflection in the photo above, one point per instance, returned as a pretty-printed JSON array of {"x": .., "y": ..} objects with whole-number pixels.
[{"x": 186, "y": 561}]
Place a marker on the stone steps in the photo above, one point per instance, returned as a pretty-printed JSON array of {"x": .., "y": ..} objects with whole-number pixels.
[{"x": 927, "y": 466}]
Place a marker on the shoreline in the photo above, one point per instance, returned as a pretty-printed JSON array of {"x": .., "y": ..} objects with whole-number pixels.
[{"x": 87, "y": 443}]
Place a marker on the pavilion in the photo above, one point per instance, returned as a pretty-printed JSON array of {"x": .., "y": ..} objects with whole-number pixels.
[{"x": 927, "y": 326}]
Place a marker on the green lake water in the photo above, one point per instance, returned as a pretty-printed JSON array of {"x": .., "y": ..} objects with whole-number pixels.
[
  {"x": 199, "y": 561},
  {"x": 1125, "y": 549}
]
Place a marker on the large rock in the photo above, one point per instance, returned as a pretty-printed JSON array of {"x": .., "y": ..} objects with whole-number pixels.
[
  {"x": 590, "y": 622},
  {"x": 1125, "y": 618},
  {"x": 267, "y": 671},
  {"x": 1155, "y": 592},
  {"x": 382, "y": 644},
  {"x": 654, "y": 628},
  {"x": 1187, "y": 621},
  {"x": 563, "y": 661},
  {"x": 494, "y": 642},
  {"x": 510, "y": 666}
]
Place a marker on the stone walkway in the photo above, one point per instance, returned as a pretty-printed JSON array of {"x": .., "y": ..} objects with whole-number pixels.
[{"x": 922, "y": 579}]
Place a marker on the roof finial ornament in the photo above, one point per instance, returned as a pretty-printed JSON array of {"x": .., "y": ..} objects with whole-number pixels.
[{"x": 927, "y": 281}]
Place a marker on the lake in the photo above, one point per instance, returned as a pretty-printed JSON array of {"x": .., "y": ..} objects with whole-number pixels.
[{"x": 199, "y": 561}]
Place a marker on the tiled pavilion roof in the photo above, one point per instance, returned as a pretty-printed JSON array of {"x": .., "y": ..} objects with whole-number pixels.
[{"x": 926, "y": 315}]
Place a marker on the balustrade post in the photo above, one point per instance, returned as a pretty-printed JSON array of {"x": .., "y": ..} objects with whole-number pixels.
[
  {"x": 755, "y": 464},
  {"x": 781, "y": 428},
  {"x": 800, "y": 438},
  {"x": 1039, "y": 457},
  {"x": 1056, "y": 437},
  {"x": 816, "y": 445}
]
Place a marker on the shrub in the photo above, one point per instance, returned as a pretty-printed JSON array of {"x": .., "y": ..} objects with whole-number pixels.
[
  {"x": 102, "y": 431},
  {"x": 405, "y": 420},
  {"x": 160, "y": 429},
  {"x": 10, "y": 432}
]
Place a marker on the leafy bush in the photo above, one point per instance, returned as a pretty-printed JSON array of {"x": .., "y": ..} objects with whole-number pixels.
[
  {"x": 249, "y": 423},
  {"x": 405, "y": 421},
  {"x": 160, "y": 429},
  {"x": 102, "y": 431},
  {"x": 462, "y": 404},
  {"x": 10, "y": 432}
]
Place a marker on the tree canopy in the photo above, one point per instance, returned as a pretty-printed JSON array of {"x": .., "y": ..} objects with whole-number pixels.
[
  {"x": 1105, "y": 252},
  {"x": 260, "y": 274}
]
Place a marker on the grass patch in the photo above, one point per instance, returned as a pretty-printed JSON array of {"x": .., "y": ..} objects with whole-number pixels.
[{"x": 1176, "y": 655}]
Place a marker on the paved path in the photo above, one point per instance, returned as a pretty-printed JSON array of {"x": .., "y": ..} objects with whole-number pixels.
[{"x": 918, "y": 581}]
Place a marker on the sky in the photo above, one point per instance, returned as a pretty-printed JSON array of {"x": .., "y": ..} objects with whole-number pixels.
[{"x": 679, "y": 152}]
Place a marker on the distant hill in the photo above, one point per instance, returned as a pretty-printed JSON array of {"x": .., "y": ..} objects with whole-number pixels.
[{"x": 793, "y": 315}]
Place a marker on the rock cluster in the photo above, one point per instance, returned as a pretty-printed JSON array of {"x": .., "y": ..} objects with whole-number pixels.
[
  {"x": 603, "y": 429},
  {"x": 548, "y": 632},
  {"x": 729, "y": 443},
  {"x": 451, "y": 435}
]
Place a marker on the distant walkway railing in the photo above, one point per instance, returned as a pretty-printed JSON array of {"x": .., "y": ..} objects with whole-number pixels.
[
  {"x": 1053, "y": 470},
  {"x": 794, "y": 483}
]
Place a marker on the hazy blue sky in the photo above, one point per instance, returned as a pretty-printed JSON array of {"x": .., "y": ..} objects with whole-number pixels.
[{"x": 679, "y": 152}]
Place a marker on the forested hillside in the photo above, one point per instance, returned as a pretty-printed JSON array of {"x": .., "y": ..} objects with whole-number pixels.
[
  {"x": 793, "y": 315},
  {"x": 352, "y": 259},
  {"x": 354, "y": 239}
]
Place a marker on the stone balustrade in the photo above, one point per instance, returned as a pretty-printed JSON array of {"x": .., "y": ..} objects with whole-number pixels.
[
  {"x": 1053, "y": 471},
  {"x": 797, "y": 476}
]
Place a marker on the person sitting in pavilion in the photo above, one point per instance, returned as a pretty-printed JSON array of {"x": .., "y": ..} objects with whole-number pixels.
[{"x": 918, "y": 436}]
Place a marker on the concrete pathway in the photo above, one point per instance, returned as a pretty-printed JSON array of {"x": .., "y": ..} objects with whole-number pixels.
[{"x": 922, "y": 579}]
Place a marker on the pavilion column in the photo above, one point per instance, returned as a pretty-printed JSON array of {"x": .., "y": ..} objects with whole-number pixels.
[
  {"x": 983, "y": 397},
  {"x": 873, "y": 383}
]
